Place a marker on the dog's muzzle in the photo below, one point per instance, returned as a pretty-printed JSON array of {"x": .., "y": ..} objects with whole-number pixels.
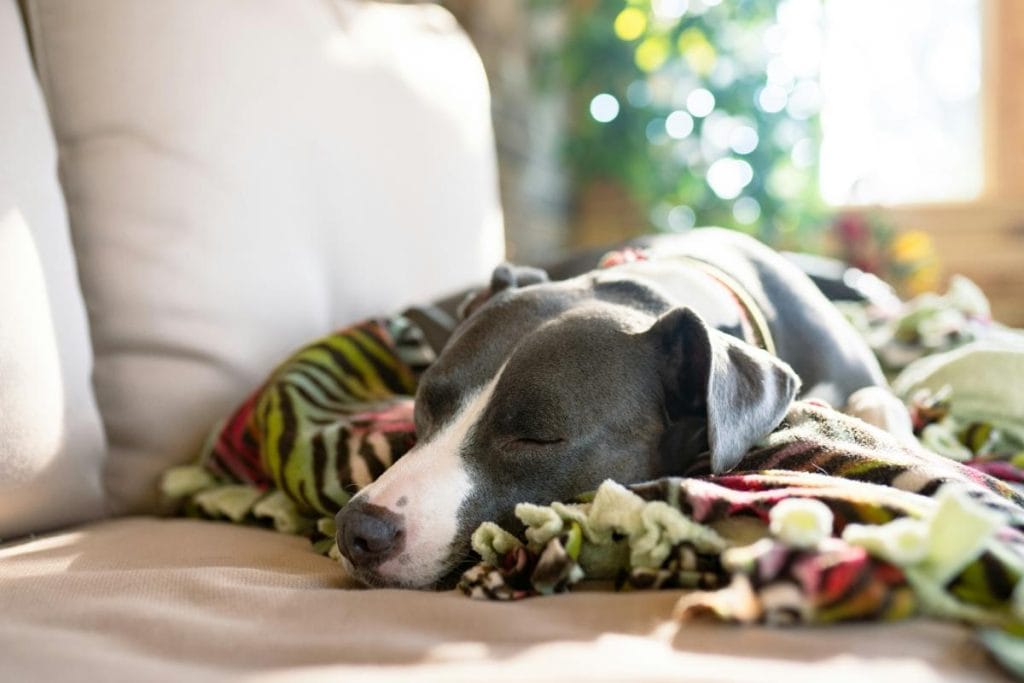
[{"x": 369, "y": 535}]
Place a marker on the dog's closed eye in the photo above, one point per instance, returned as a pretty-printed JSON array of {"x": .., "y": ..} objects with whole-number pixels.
[{"x": 536, "y": 441}]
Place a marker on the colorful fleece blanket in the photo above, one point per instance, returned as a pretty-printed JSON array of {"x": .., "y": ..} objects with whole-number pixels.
[{"x": 827, "y": 520}]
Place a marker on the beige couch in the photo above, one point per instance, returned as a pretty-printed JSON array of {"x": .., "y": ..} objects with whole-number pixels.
[{"x": 237, "y": 178}]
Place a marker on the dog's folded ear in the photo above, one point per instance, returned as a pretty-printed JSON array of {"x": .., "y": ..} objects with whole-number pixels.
[
  {"x": 509, "y": 276},
  {"x": 505, "y": 276},
  {"x": 744, "y": 391}
]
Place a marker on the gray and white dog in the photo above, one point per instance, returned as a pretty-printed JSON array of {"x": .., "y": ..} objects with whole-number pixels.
[{"x": 692, "y": 352}]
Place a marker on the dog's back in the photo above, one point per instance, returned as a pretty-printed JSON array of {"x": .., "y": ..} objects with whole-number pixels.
[{"x": 809, "y": 332}]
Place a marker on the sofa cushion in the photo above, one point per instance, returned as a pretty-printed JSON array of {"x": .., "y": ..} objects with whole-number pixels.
[
  {"x": 182, "y": 600},
  {"x": 244, "y": 177},
  {"x": 51, "y": 438}
]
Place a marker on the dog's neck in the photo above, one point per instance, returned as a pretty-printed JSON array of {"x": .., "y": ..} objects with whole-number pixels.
[{"x": 722, "y": 306}]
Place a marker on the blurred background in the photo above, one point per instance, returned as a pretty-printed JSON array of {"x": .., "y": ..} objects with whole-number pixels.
[{"x": 889, "y": 133}]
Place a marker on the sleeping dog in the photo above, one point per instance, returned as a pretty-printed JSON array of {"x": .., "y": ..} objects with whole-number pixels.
[{"x": 676, "y": 359}]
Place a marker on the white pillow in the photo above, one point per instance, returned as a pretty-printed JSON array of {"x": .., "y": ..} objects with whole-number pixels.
[
  {"x": 245, "y": 176},
  {"x": 51, "y": 438}
]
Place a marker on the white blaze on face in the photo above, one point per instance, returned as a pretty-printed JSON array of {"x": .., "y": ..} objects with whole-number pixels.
[{"x": 427, "y": 486}]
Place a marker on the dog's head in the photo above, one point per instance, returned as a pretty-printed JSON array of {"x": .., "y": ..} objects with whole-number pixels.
[{"x": 546, "y": 390}]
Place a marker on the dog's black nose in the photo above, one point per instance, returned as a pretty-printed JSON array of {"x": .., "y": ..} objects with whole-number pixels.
[{"x": 368, "y": 534}]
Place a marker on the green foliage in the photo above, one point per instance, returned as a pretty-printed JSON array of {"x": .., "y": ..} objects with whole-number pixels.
[{"x": 651, "y": 64}]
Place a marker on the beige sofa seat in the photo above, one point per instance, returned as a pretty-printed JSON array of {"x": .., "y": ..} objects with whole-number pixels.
[{"x": 182, "y": 600}]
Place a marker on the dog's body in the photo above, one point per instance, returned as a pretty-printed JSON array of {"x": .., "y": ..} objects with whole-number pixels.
[{"x": 631, "y": 372}]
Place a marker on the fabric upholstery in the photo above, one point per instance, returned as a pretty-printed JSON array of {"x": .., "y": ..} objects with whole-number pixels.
[
  {"x": 51, "y": 438},
  {"x": 147, "y": 599},
  {"x": 244, "y": 177}
]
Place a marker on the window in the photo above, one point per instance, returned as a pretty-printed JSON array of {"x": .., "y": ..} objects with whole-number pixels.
[{"x": 901, "y": 115}]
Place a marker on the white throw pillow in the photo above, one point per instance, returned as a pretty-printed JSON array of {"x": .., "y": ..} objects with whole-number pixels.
[
  {"x": 51, "y": 438},
  {"x": 243, "y": 177}
]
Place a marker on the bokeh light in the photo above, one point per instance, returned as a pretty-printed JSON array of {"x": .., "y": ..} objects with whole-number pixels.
[
  {"x": 715, "y": 133},
  {"x": 655, "y": 131},
  {"x": 746, "y": 210},
  {"x": 678, "y": 125},
  {"x": 652, "y": 52},
  {"x": 786, "y": 182},
  {"x": 700, "y": 102},
  {"x": 743, "y": 140},
  {"x": 727, "y": 177},
  {"x": 668, "y": 10},
  {"x": 638, "y": 94},
  {"x": 604, "y": 108},
  {"x": 630, "y": 24},
  {"x": 698, "y": 51},
  {"x": 772, "y": 98},
  {"x": 681, "y": 218}
]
